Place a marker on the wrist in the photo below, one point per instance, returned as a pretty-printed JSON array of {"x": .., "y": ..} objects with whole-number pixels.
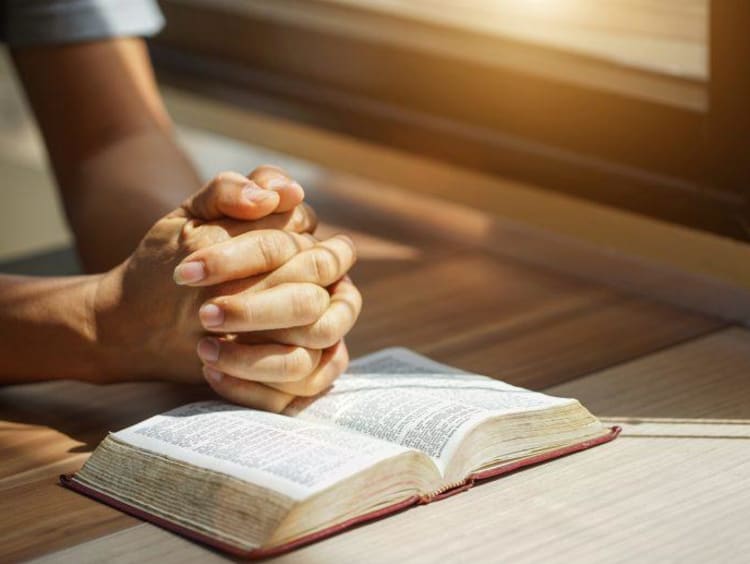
[
  {"x": 130, "y": 331},
  {"x": 110, "y": 327},
  {"x": 101, "y": 358}
]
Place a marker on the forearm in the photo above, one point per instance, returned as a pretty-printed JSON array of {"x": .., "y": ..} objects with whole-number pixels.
[
  {"x": 47, "y": 330},
  {"x": 109, "y": 140},
  {"x": 114, "y": 197}
]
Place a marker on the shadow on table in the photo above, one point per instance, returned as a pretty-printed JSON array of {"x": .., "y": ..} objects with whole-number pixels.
[
  {"x": 85, "y": 412},
  {"x": 54, "y": 262}
]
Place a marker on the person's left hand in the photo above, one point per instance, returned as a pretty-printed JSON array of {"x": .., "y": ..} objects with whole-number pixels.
[{"x": 270, "y": 343}]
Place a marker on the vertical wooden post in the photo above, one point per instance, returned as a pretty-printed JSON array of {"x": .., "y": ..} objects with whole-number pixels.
[{"x": 729, "y": 100}]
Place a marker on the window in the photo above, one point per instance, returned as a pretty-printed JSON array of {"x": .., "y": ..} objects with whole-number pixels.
[{"x": 631, "y": 103}]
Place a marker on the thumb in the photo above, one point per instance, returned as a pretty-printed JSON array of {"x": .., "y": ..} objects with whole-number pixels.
[{"x": 231, "y": 195}]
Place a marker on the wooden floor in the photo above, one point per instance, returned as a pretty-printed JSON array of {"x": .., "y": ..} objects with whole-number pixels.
[{"x": 673, "y": 487}]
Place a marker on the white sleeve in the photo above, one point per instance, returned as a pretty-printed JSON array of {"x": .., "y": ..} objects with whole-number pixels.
[{"x": 47, "y": 22}]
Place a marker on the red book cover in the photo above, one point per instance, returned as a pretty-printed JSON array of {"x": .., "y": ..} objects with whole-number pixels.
[{"x": 68, "y": 481}]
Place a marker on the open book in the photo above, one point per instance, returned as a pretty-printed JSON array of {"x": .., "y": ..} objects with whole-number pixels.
[{"x": 396, "y": 430}]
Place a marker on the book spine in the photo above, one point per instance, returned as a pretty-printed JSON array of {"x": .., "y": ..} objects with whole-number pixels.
[
  {"x": 468, "y": 483},
  {"x": 447, "y": 491}
]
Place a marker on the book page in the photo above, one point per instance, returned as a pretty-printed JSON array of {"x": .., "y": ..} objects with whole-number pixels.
[
  {"x": 291, "y": 456},
  {"x": 407, "y": 399}
]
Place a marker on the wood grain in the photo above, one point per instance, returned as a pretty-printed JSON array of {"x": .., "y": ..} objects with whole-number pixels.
[
  {"x": 704, "y": 379},
  {"x": 423, "y": 288},
  {"x": 50, "y": 429},
  {"x": 468, "y": 292},
  {"x": 579, "y": 340},
  {"x": 667, "y": 490}
]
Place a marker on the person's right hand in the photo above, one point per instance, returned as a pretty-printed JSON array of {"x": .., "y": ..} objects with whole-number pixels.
[
  {"x": 289, "y": 326},
  {"x": 263, "y": 334}
]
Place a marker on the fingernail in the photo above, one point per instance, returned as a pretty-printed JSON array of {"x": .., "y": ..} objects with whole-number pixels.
[
  {"x": 211, "y": 315},
  {"x": 208, "y": 349},
  {"x": 189, "y": 272},
  {"x": 280, "y": 182},
  {"x": 213, "y": 375},
  {"x": 277, "y": 182},
  {"x": 255, "y": 194}
]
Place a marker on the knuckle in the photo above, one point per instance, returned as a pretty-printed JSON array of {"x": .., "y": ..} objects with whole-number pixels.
[
  {"x": 294, "y": 365},
  {"x": 296, "y": 220},
  {"x": 265, "y": 173},
  {"x": 310, "y": 218},
  {"x": 352, "y": 246},
  {"x": 210, "y": 258},
  {"x": 288, "y": 221},
  {"x": 322, "y": 265},
  {"x": 302, "y": 219},
  {"x": 301, "y": 304},
  {"x": 269, "y": 248},
  {"x": 320, "y": 301},
  {"x": 236, "y": 309},
  {"x": 325, "y": 333},
  {"x": 245, "y": 314},
  {"x": 267, "y": 169},
  {"x": 309, "y": 302},
  {"x": 221, "y": 255}
]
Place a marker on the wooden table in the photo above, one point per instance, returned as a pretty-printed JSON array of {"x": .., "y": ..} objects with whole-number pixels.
[{"x": 675, "y": 486}]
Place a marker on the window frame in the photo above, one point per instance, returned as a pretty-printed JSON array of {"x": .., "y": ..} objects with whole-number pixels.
[{"x": 677, "y": 163}]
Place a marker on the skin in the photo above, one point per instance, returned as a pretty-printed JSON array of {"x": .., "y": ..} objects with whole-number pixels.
[{"x": 228, "y": 287}]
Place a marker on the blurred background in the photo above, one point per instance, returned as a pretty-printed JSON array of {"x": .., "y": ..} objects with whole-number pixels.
[
  {"x": 550, "y": 192},
  {"x": 554, "y": 113}
]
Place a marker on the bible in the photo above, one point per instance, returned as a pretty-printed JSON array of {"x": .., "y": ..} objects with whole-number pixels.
[{"x": 396, "y": 430}]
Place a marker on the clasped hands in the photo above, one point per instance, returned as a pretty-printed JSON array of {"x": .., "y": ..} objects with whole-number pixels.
[{"x": 235, "y": 275}]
